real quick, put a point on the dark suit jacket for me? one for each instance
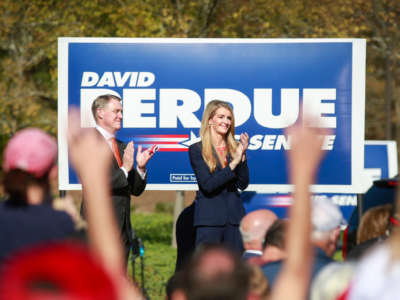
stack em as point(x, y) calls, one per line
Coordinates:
point(121, 190)
point(217, 201)
point(271, 270)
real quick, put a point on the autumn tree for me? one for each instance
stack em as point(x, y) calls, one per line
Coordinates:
point(30, 28)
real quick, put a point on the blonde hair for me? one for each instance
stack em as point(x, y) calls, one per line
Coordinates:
point(374, 223)
point(207, 146)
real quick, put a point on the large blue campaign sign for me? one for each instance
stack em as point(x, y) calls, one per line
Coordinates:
point(165, 85)
point(380, 162)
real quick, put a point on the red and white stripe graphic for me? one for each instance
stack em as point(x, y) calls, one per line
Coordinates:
point(165, 142)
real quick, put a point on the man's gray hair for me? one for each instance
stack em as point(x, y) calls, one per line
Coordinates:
point(326, 216)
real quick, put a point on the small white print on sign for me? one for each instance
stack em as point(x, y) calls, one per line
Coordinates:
point(182, 178)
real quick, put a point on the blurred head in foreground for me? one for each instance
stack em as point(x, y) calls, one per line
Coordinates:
point(332, 281)
point(29, 162)
point(214, 273)
point(55, 271)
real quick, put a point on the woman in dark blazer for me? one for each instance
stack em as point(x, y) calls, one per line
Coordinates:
point(219, 163)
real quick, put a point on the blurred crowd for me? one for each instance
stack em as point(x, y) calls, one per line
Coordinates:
point(47, 251)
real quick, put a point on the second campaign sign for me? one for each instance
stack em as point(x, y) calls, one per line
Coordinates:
point(165, 85)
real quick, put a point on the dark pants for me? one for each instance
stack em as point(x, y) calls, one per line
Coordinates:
point(228, 235)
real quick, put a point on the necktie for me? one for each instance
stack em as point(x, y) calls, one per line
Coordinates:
point(116, 151)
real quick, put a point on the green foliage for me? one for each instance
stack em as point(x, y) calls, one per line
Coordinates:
point(29, 30)
point(159, 265)
point(164, 207)
point(153, 228)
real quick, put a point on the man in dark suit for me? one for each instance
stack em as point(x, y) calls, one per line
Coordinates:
point(125, 179)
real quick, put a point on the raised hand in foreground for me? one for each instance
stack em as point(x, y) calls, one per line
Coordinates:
point(304, 157)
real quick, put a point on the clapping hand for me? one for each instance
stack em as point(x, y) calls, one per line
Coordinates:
point(239, 154)
point(142, 157)
point(127, 159)
point(244, 140)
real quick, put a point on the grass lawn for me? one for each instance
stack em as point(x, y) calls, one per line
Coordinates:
point(155, 230)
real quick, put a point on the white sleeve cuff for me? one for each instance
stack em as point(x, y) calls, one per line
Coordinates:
point(125, 172)
point(141, 173)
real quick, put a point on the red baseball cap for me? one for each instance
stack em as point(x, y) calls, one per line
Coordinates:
point(31, 150)
point(62, 270)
